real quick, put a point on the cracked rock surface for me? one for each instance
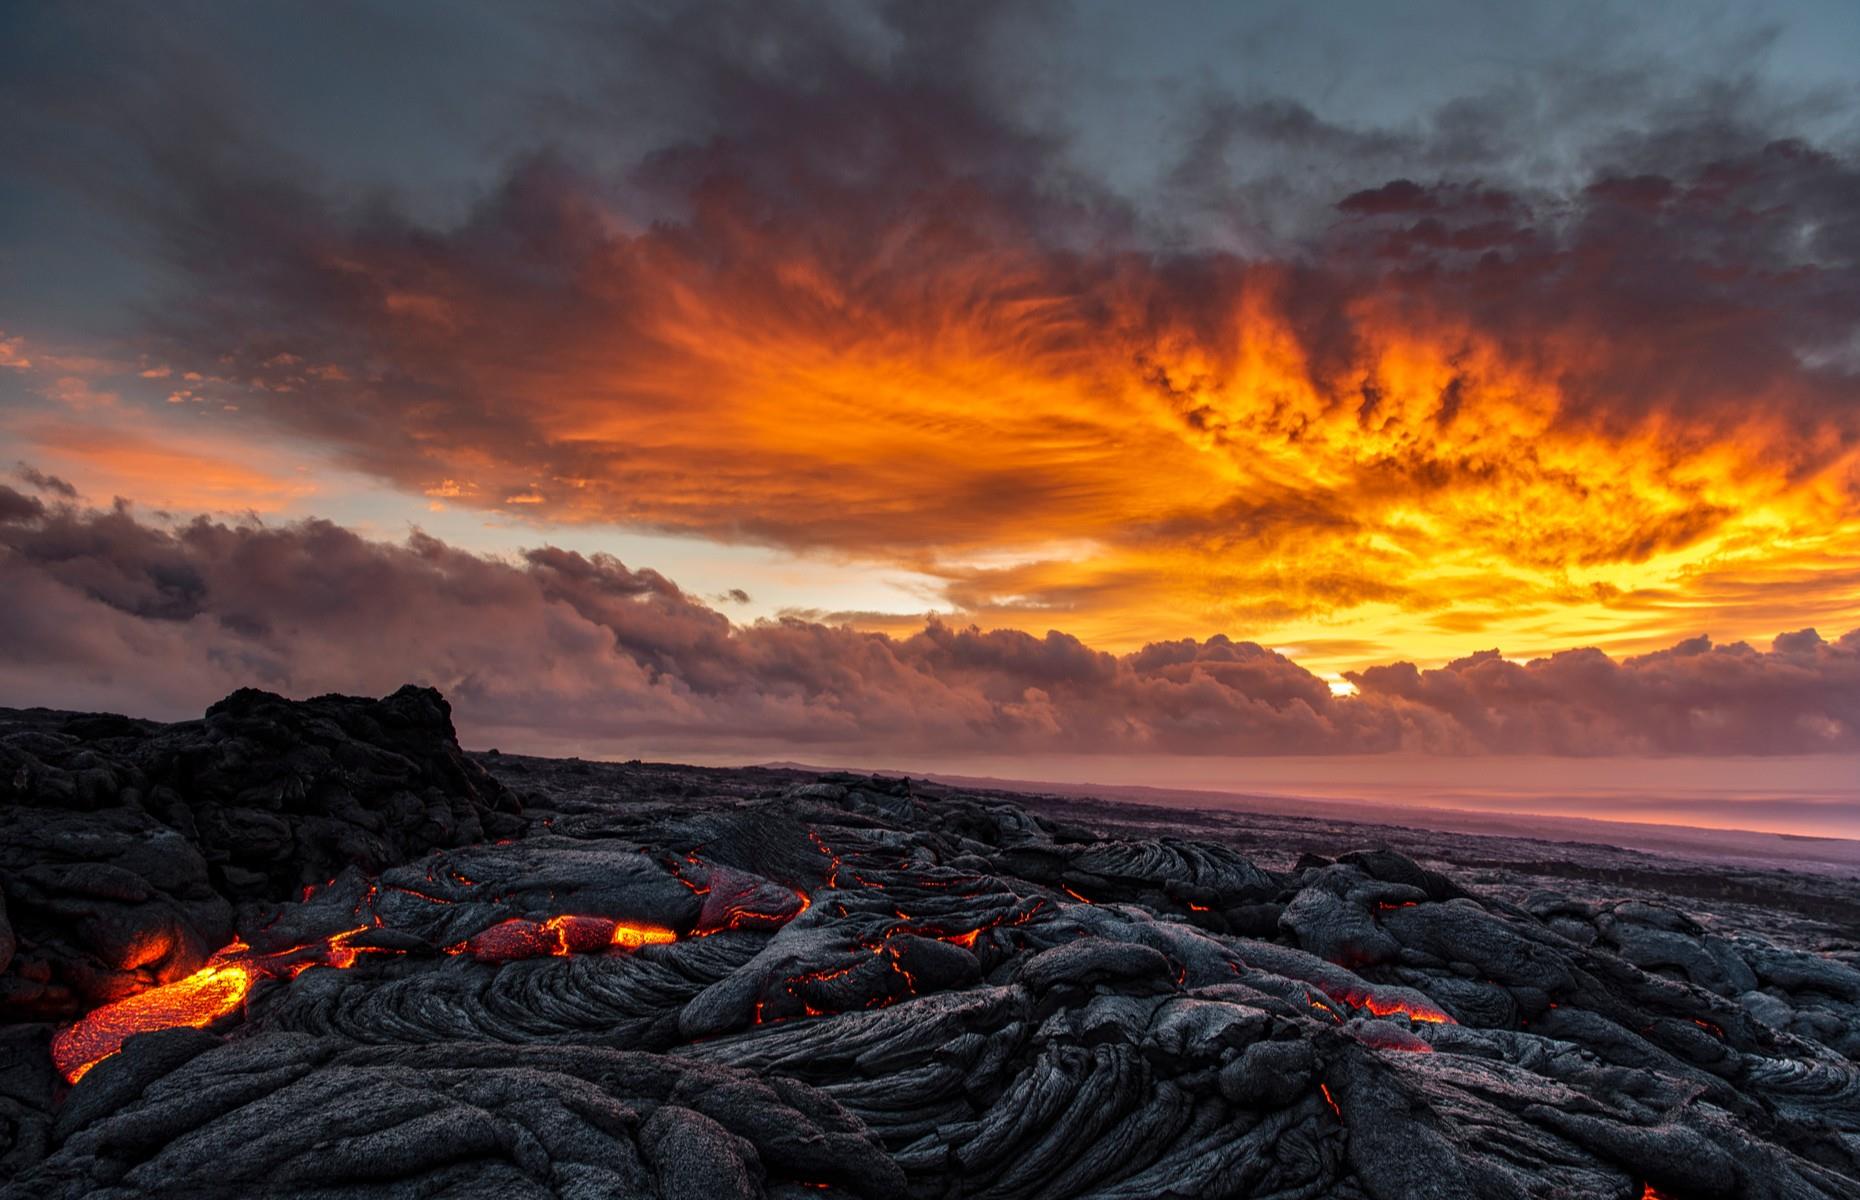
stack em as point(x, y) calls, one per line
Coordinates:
point(671, 982)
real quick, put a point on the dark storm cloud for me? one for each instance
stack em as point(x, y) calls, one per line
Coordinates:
point(50, 484)
point(16, 506)
point(1398, 196)
point(556, 645)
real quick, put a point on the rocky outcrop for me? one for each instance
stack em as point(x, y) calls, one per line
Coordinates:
point(126, 847)
point(860, 988)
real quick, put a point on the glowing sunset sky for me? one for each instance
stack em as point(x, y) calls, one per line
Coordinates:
point(725, 378)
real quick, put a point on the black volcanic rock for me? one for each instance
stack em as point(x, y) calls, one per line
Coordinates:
point(284, 793)
point(307, 1116)
point(872, 988)
point(126, 845)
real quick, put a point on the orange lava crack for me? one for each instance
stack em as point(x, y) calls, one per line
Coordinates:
point(560, 937)
point(1382, 1006)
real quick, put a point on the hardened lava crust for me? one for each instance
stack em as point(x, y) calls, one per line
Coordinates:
point(314, 950)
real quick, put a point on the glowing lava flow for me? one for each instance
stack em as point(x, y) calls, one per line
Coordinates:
point(212, 992)
point(198, 1000)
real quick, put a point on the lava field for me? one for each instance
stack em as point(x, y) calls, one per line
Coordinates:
point(313, 949)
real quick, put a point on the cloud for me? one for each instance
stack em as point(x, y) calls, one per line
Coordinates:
point(46, 483)
point(1396, 196)
point(73, 415)
point(179, 469)
point(556, 648)
point(849, 294)
point(13, 352)
point(17, 506)
point(1801, 696)
point(912, 336)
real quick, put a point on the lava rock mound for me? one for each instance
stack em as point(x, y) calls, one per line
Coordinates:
point(127, 848)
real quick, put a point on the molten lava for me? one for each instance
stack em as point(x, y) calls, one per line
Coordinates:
point(220, 987)
point(732, 900)
point(202, 998)
point(198, 1000)
point(629, 936)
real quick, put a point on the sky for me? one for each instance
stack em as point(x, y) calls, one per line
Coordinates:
point(945, 382)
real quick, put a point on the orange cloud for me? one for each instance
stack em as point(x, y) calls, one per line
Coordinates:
point(13, 352)
point(166, 471)
point(104, 445)
point(1450, 421)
